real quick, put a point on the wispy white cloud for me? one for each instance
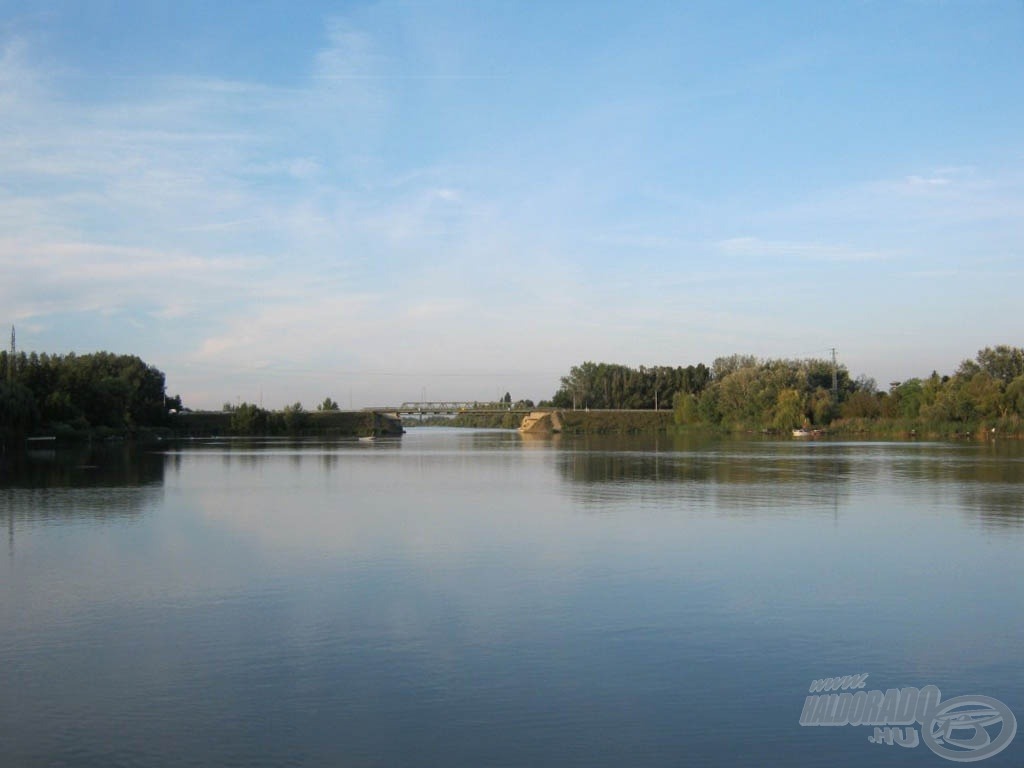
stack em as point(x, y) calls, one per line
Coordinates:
point(137, 200)
point(932, 181)
point(19, 82)
point(776, 250)
point(47, 277)
point(349, 54)
point(945, 217)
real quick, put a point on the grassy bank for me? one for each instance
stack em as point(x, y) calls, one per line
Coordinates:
point(623, 422)
point(902, 429)
point(616, 422)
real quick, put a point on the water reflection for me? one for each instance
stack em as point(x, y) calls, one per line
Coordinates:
point(92, 483)
point(986, 479)
point(994, 506)
point(252, 452)
point(95, 465)
point(744, 477)
point(735, 477)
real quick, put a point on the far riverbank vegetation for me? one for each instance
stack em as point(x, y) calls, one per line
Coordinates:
point(109, 395)
point(92, 395)
point(741, 393)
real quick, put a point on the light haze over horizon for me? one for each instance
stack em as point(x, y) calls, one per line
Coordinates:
point(390, 201)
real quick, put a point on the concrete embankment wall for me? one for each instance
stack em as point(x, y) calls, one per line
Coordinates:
point(311, 424)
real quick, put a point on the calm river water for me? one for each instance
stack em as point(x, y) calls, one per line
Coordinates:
point(475, 598)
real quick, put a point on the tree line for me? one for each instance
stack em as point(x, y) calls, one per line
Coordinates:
point(742, 392)
point(251, 419)
point(64, 394)
point(605, 385)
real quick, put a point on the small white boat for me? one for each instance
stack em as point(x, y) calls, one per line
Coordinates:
point(801, 432)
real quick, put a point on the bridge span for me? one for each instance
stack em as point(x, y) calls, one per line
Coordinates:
point(450, 408)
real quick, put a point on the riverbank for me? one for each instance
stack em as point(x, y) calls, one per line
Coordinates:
point(615, 422)
point(295, 423)
point(903, 429)
point(612, 422)
point(634, 422)
point(197, 424)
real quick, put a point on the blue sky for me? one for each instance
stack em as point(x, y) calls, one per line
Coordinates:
point(385, 201)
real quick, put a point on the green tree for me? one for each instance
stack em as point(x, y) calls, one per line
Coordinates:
point(741, 398)
point(823, 408)
point(931, 388)
point(790, 409)
point(604, 385)
point(295, 419)
point(249, 419)
point(723, 366)
point(861, 404)
point(686, 408)
point(96, 389)
point(985, 394)
point(742, 392)
point(910, 397)
point(707, 406)
point(1002, 362)
point(328, 405)
point(1013, 398)
point(18, 411)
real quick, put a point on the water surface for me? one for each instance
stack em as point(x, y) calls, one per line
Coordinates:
point(476, 598)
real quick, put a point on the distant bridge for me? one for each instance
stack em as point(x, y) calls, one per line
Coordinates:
point(450, 408)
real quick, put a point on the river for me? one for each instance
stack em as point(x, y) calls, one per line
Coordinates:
point(479, 598)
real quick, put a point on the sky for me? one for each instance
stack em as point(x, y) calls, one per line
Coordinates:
point(382, 202)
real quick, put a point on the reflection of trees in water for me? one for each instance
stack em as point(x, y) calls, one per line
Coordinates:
point(96, 482)
point(253, 452)
point(730, 476)
point(974, 463)
point(996, 506)
point(986, 479)
point(99, 465)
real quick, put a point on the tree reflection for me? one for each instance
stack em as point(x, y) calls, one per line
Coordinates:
point(100, 482)
point(734, 477)
point(746, 477)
